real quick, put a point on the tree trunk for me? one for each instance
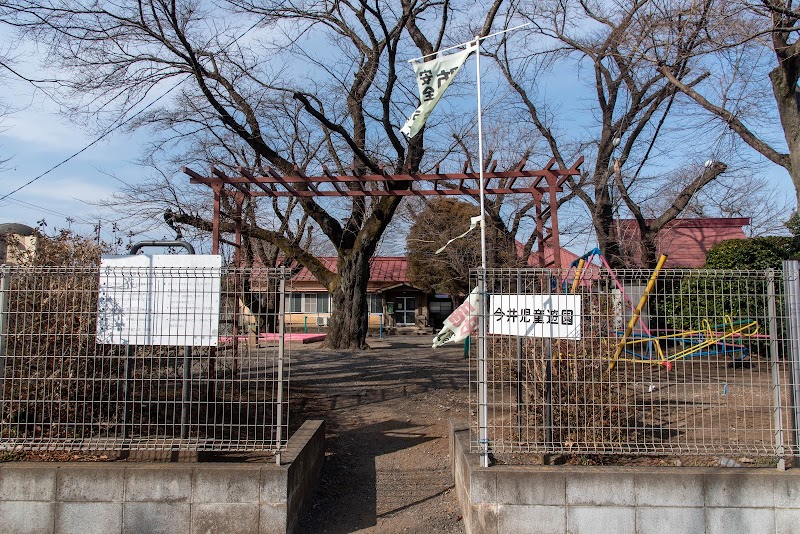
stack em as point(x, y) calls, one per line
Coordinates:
point(350, 314)
point(784, 87)
point(605, 230)
point(610, 248)
point(649, 248)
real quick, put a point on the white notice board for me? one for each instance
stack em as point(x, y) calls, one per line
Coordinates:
point(159, 300)
point(554, 316)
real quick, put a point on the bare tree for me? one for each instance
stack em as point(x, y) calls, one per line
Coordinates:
point(742, 193)
point(336, 61)
point(634, 117)
point(6, 71)
point(736, 94)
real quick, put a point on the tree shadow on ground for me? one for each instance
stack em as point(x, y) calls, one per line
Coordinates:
point(346, 500)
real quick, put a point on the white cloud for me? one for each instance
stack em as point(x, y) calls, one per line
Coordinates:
point(43, 133)
point(69, 188)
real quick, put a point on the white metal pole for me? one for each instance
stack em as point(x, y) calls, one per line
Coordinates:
point(791, 268)
point(483, 406)
point(483, 399)
point(5, 289)
point(480, 154)
point(281, 357)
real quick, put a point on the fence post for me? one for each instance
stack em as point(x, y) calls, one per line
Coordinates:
point(5, 287)
point(483, 394)
point(519, 368)
point(791, 280)
point(126, 390)
point(185, 392)
point(281, 339)
point(548, 396)
point(777, 413)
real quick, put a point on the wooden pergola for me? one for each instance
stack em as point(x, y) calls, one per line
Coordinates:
point(544, 184)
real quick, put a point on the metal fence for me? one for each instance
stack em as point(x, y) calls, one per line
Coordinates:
point(570, 368)
point(140, 359)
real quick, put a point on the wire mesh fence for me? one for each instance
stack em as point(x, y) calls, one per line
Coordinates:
point(570, 367)
point(147, 358)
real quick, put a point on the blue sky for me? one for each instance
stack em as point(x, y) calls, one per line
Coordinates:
point(36, 137)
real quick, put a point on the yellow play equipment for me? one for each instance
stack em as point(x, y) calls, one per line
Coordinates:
point(707, 341)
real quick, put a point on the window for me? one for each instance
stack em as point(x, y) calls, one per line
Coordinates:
point(308, 303)
point(323, 303)
point(295, 303)
point(375, 303)
point(440, 307)
point(405, 309)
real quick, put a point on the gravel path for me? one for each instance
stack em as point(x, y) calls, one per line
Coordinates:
point(387, 413)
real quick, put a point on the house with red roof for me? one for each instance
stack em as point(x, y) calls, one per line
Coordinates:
point(567, 257)
point(393, 301)
point(684, 241)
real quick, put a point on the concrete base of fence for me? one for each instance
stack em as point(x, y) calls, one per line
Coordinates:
point(39, 497)
point(640, 500)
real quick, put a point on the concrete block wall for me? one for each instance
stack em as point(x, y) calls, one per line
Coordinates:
point(579, 500)
point(88, 498)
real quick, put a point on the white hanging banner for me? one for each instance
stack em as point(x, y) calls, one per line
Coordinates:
point(462, 322)
point(474, 223)
point(553, 316)
point(433, 78)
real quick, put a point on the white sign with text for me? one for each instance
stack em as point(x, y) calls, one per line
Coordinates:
point(159, 300)
point(551, 316)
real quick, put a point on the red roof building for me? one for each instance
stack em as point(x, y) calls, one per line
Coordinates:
point(384, 272)
point(567, 257)
point(393, 300)
point(684, 241)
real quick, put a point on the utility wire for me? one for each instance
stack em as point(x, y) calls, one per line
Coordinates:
point(97, 140)
point(48, 210)
point(118, 125)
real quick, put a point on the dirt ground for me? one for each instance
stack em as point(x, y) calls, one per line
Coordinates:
point(387, 414)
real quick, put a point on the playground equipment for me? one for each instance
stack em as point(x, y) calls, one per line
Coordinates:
point(637, 313)
point(665, 346)
point(580, 270)
point(711, 340)
point(579, 266)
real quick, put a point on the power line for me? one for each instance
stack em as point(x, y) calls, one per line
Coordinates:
point(48, 210)
point(90, 145)
point(75, 218)
point(117, 126)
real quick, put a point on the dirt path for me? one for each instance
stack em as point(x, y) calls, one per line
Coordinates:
point(387, 410)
